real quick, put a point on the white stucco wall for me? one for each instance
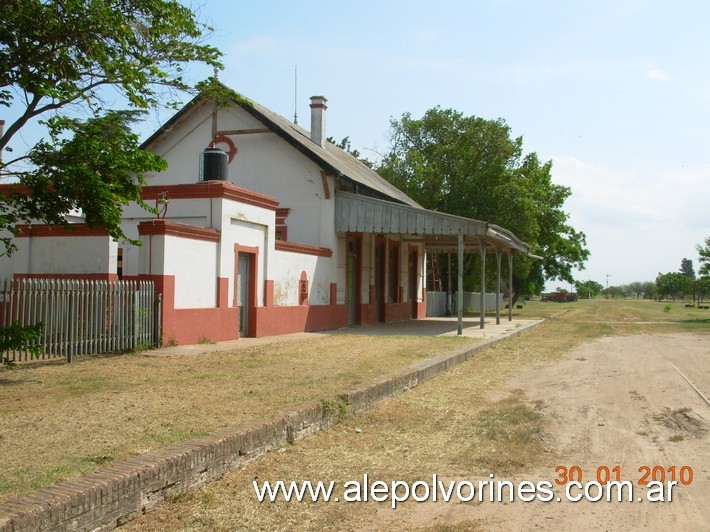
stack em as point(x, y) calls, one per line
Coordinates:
point(265, 163)
point(192, 262)
point(6, 262)
point(287, 268)
point(65, 255)
point(250, 226)
point(194, 211)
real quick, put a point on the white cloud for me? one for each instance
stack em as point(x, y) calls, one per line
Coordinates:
point(658, 74)
point(638, 221)
point(608, 197)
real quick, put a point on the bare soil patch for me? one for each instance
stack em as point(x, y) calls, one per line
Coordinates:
point(623, 405)
point(567, 393)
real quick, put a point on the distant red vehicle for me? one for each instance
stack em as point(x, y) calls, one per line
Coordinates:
point(563, 296)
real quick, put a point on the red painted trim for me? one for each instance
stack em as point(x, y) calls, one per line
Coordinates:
point(14, 189)
point(303, 249)
point(170, 228)
point(269, 293)
point(222, 292)
point(42, 230)
point(210, 189)
point(333, 293)
point(226, 140)
point(253, 274)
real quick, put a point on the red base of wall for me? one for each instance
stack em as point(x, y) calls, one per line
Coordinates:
point(396, 312)
point(190, 326)
point(284, 320)
point(368, 314)
point(393, 312)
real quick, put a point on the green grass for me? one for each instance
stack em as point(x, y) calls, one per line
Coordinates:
point(629, 311)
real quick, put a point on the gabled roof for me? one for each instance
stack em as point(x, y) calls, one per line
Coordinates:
point(332, 159)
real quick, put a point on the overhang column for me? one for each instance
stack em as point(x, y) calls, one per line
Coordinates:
point(483, 283)
point(510, 285)
point(459, 294)
point(499, 256)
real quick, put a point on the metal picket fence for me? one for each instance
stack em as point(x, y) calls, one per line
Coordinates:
point(82, 317)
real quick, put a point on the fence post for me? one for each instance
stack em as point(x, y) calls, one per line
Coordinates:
point(158, 340)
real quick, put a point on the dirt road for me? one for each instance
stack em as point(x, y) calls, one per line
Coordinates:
point(613, 401)
point(617, 401)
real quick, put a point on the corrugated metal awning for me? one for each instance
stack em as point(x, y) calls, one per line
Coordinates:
point(362, 214)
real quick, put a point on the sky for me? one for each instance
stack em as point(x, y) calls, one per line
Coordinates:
point(615, 93)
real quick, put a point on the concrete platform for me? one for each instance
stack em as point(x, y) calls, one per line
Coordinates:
point(424, 327)
point(119, 492)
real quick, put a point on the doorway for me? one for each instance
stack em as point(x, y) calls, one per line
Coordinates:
point(413, 278)
point(380, 281)
point(352, 280)
point(242, 297)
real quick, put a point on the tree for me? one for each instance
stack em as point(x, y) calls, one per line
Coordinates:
point(704, 259)
point(650, 290)
point(65, 64)
point(613, 291)
point(347, 146)
point(703, 288)
point(70, 66)
point(472, 167)
point(588, 289)
point(636, 289)
point(686, 268)
point(673, 284)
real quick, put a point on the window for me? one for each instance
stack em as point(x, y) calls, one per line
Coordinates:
point(119, 264)
point(281, 228)
point(303, 289)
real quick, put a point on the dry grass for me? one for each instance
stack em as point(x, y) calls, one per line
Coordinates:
point(619, 310)
point(451, 426)
point(447, 426)
point(61, 421)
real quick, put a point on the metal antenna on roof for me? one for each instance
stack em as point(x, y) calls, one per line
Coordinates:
point(214, 109)
point(295, 94)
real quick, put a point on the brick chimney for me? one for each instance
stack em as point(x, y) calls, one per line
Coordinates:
point(318, 108)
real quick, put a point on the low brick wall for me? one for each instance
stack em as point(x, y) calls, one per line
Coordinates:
point(118, 493)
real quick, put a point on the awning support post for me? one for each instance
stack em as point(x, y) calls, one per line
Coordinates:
point(510, 285)
point(459, 294)
point(448, 286)
point(499, 256)
point(483, 284)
